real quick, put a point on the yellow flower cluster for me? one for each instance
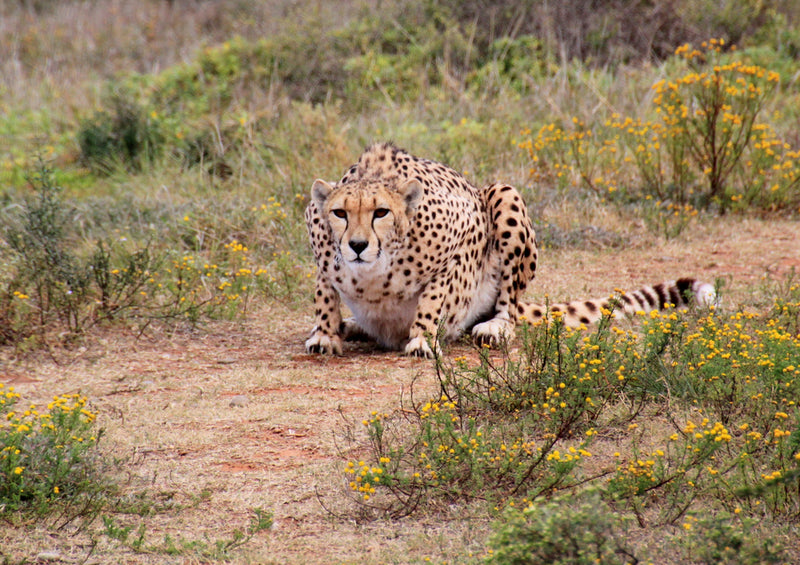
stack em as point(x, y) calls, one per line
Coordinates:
point(32, 420)
point(638, 469)
point(571, 454)
point(717, 431)
point(273, 210)
point(9, 396)
point(731, 342)
point(365, 477)
point(435, 407)
point(375, 418)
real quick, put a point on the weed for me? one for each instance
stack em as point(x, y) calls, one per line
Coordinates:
point(260, 520)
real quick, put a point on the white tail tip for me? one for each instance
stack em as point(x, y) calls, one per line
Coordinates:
point(705, 295)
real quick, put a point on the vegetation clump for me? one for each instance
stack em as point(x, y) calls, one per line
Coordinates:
point(705, 145)
point(53, 282)
point(703, 408)
point(48, 454)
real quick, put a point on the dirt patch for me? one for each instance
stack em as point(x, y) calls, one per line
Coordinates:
point(13, 379)
point(165, 402)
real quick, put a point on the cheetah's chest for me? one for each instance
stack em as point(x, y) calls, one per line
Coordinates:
point(383, 301)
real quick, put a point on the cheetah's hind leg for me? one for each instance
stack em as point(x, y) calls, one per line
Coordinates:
point(493, 333)
point(512, 255)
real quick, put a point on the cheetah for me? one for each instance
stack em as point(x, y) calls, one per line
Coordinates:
point(421, 256)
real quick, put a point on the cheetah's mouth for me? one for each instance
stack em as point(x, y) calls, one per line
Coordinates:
point(360, 261)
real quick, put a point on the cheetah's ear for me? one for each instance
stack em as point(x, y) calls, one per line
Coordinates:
point(411, 191)
point(320, 192)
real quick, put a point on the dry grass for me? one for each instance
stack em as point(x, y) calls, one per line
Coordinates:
point(165, 403)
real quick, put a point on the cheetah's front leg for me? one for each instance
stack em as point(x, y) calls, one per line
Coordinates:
point(427, 317)
point(325, 336)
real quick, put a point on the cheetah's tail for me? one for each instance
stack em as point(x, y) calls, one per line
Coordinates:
point(679, 293)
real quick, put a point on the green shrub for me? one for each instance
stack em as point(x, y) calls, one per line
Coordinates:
point(583, 529)
point(727, 540)
point(519, 62)
point(566, 531)
point(122, 136)
point(400, 59)
point(510, 428)
point(303, 62)
point(50, 281)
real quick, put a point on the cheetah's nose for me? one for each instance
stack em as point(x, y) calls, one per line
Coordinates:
point(358, 245)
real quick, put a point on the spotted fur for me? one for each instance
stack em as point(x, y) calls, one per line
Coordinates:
point(410, 246)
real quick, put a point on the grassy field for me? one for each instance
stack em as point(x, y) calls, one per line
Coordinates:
point(155, 284)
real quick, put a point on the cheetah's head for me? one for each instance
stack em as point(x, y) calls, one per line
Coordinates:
point(366, 216)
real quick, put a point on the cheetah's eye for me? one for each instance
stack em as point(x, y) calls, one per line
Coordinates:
point(381, 212)
point(339, 213)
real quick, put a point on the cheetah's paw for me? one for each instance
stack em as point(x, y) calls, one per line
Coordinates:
point(323, 343)
point(418, 347)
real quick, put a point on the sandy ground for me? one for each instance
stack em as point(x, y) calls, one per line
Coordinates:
point(238, 416)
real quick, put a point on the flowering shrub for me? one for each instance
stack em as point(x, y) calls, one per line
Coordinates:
point(457, 456)
point(508, 430)
point(704, 145)
point(51, 283)
point(46, 453)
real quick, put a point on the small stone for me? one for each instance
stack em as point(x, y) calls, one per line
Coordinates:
point(48, 556)
point(226, 361)
point(239, 401)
